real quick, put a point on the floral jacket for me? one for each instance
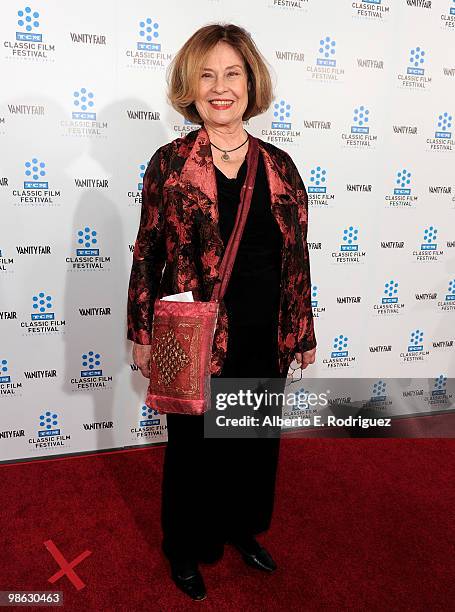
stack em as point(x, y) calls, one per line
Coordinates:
point(179, 247)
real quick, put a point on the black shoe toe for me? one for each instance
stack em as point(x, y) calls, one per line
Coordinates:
point(188, 579)
point(254, 554)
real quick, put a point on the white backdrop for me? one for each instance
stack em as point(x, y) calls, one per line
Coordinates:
point(365, 99)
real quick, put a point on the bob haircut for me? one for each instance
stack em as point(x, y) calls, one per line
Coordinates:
point(184, 71)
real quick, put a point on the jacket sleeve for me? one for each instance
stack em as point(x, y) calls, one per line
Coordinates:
point(148, 256)
point(308, 340)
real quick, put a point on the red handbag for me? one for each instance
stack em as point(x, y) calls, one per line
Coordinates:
point(183, 332)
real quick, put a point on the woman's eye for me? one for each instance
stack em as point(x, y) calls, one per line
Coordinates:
point(233, 73)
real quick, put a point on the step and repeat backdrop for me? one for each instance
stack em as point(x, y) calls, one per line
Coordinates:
point(365, 104)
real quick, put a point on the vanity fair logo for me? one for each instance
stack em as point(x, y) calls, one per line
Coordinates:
point(49, 434)
point(27, 110)
point(349, 251)
point(439, 191)
point(135, 195)
point(389, 303)
point(414, 76)
point(36, 190)
point(360, 134)
point(88, 256)
point(88, 39)
point(91, 374)
point(373, 10)
point(147, 52)
point(339, 355)
point(42, 319)
point(84, 122)
point(10, 386)
point(281, 126)
point(319, 195)
point(325, 68)
point(150, 425)
point(29, 42)
point(401, 196)
point(441, 139)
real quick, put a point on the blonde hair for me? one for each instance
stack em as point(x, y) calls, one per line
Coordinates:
point(184, 71)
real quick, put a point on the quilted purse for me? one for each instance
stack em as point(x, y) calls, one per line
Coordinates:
point(183, 332)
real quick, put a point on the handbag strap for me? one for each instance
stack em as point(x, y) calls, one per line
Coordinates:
point(232, 246)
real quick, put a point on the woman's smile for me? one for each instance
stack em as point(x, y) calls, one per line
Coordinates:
point(221, 103)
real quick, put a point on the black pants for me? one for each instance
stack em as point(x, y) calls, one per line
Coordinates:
point(213, 488)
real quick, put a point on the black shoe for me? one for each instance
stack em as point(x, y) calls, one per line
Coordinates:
point(188, 579)
point(254, 554)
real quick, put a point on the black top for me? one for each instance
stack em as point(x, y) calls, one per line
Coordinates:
point(253, 293)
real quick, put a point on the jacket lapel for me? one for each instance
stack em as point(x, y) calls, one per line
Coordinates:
point(198, 180)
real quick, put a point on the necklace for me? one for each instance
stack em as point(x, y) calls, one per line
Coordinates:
point(225, 156)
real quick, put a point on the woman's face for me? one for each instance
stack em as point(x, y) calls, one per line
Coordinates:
point(223, 87)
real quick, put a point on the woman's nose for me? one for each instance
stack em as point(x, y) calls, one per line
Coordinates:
point(219, 86)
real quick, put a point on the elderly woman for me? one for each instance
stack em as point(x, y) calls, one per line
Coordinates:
point(217, 491)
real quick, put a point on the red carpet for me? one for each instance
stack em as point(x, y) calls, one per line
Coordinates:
point(359, 525)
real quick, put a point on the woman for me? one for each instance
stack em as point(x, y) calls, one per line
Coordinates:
point(222, 490)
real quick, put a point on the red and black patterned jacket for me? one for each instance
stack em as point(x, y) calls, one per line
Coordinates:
point(179, 232)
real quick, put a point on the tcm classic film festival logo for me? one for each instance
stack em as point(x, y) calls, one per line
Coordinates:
point(325, 68)
point(316, 304)
point(402, 195)
point(415, 75)
point(441, 139)
point(49, 433)
point(448, 16)
point(134, 196)
point(36, 189)
point(340, 357)
point(88, 255)
point(428, 251)
point(415, 347)
point(349, 251)
point(448, 303)
point(83, 121)
point(29, 43)
point(6, 264)
point(91, 376)
point(149, 426)
point(360, 134)
point(10, 386)
point(439, 396)
point(281, 130)
point(318, 188)
point(371, 10)
point(298, 6)
point(42, 318)
point(389, 302)
point(147, 52)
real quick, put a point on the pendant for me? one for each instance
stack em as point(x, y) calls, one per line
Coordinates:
point(225, 156)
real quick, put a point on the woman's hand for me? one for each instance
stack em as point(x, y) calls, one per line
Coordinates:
point(304, 359)
point(141, 357)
